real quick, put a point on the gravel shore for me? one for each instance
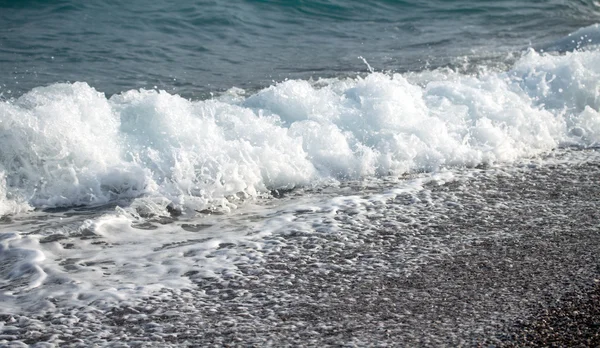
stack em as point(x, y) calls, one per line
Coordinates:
point(574, 321)
point(512, 261)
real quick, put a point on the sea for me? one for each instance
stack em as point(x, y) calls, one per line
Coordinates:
point(168, 158)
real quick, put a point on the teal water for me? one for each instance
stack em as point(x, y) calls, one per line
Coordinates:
point(194, 48)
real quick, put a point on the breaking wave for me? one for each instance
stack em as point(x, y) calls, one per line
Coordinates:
point(67, 144)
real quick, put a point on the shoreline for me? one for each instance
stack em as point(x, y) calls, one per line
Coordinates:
point(513, 244)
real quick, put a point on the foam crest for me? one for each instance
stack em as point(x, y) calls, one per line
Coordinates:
point(67, 144)
point(567, 86)
point(61, 146)
point(200, 152)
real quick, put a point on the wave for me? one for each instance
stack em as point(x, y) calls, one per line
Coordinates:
point(587, 38)
point(67, 144)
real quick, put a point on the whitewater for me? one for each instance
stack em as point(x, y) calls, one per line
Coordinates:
point(68, 145)
point(145, 195)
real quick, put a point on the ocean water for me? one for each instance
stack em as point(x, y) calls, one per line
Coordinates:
point(147, 147)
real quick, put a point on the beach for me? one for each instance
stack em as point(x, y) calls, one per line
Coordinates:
point(299, 173)
point(503, 271)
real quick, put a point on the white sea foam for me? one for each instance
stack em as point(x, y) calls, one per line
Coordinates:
point(110, 258)
point(19, 262)
point(67, 144)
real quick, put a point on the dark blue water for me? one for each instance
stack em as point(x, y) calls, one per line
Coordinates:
point(194, 48)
